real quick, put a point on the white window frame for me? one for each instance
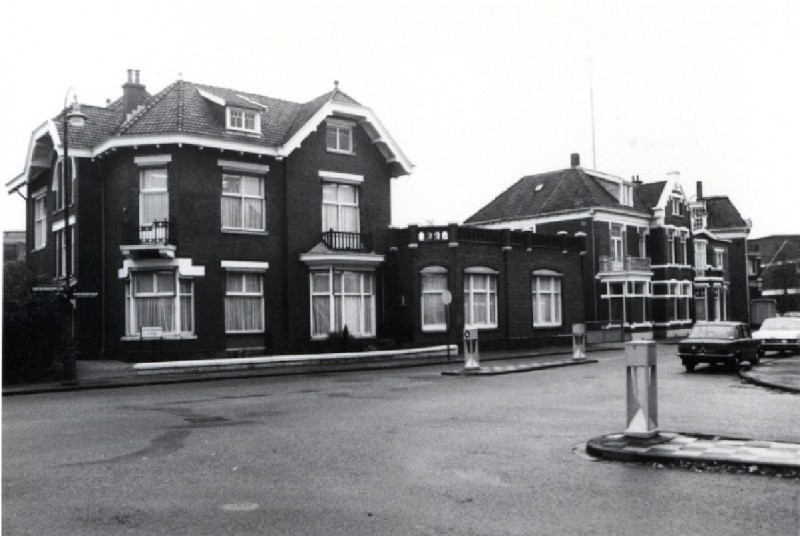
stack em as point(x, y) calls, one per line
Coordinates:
point(61, 249)
point(143, 193)
point(701, 254)
point(242, 196)
point(341, 130)
point(617, 241)
point(684, 237)
point(489, 275)
point(58, 180)
point(339, 204)
point(719, 258)
point(677, 205)
point(437, 293)
point(130, 304)
point(671, 246)
point(552, 298)
point(244, 293)
point(39, 219)
point(336, 316)
point(237, 119)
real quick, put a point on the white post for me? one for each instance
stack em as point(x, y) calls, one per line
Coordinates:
point(578, 341)
point(642, 400)
point(472, 356)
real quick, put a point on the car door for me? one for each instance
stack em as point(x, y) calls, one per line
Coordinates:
point(748, 342)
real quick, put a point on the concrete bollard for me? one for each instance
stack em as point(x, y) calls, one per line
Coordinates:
point(472, 356)
point(578, 341)
point(640, 357)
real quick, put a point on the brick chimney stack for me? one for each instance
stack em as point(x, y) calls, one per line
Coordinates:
point(133, 93)
point(699, 190)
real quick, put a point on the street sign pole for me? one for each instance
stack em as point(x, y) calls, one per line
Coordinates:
point(447, 299)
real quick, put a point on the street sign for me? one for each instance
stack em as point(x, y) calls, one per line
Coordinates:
point(48, 289)
point(84, 294)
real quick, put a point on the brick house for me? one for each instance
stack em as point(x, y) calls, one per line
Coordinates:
point(640, 268)
point(518, 288)
point(774, 270)
point(214, 222)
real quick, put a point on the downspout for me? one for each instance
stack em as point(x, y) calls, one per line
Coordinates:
point(104, 334)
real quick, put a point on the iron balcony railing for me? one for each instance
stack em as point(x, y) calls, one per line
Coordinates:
point(709, 271)
point(341, 241)
point(154, 233)
point(624, 264)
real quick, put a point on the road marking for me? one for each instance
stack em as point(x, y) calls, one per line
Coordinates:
point(240, 507)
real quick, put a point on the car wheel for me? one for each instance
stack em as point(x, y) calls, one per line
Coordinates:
point(756, 359)
point(761, 352)
point(735, 364)
point(689, 367)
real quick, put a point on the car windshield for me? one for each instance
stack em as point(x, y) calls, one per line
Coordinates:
point(781, 323)
point(712, 332)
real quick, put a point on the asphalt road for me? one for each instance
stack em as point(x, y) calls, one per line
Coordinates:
point(404, 451)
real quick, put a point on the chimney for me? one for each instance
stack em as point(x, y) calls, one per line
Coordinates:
point(699, 190)
point(133, 93)
point(575, 160)
point(635, 179)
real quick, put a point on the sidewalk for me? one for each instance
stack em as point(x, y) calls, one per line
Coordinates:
point(670, 447)
point(113, 374)
point(777, 372)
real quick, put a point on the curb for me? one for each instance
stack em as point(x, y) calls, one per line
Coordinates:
point(763, 383)
point(511, 369)
point(278, 370)
point(595, 448)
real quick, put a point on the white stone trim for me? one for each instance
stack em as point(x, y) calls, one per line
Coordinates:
point(153, 160)
point(59, 224)
point(546, 272)
point(339, 122)
point(249, 266)
point(341, 177)
point(246, 167)
point(184, 266)
point(326, 259)
point(480, 270)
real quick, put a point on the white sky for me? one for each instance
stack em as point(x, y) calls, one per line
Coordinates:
point(477, 94)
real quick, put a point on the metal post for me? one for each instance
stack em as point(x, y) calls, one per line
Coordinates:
point(70, 376)
point(578, 341)
point(642, 389)
point(472, 356)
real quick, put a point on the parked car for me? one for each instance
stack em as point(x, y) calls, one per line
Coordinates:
point(792, 314)
point(728, 343)
point(779, 333)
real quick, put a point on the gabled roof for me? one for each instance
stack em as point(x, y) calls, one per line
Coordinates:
point(650, 193)
point(187, 112)
point(722, 214)
point(552, 192)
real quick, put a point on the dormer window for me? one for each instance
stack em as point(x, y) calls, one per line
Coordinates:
point(677, 206)
point(339, 136)
point(626, 194)
point(244, 120)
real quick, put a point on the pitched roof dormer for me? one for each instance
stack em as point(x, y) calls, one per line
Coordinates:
point(241, 114)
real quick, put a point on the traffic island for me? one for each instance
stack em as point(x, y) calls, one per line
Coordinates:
point(511, 369)
point(700, 451)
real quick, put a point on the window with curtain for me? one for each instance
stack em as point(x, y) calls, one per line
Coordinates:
point(433, 281)
point(159, 299)
point(340, 210)
point(243, 206)
point(700, 254)
point(617, 247)
point(39, 221)
point(480, 299)
point(153, 195)
point(342, 298)
point(339, 137)
point(546, 293)
point(244, 302)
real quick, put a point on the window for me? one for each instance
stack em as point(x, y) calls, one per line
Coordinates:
point(719, 258)
point(58, 181)
point(670, 246)
point(700, 303)
point(433, 281)
point(61, 251)
point(626, 194)
point(617, 247)
point(340, 210)
point(677, 206)
point(700, 261)
point(339, 136)
point(244, 302)
point(480, 298)
point(245, 120)
point(642, 244)
point(159, 300)
point(684, 256)
point(243, 203)
point(341, 298)
point(546, 292)
point(153, 196)
point(39, 220)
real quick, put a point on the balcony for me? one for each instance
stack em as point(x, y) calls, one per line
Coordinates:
point(625, 264)
point(153, 242)
point(709, 271)
point(342, 241)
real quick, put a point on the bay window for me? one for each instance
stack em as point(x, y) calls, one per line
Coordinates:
point(480, 298)
point(342, 298)
point(159, 301)
point(433, 281)
point(546, 298)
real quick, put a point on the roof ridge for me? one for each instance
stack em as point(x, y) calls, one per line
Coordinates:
point(587, 177)
point(155, 99)
point(559, 181)
point(181, 94)
point(244, 92)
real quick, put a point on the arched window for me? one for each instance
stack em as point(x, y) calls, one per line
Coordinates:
point(480, 298)
point(433, 282)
